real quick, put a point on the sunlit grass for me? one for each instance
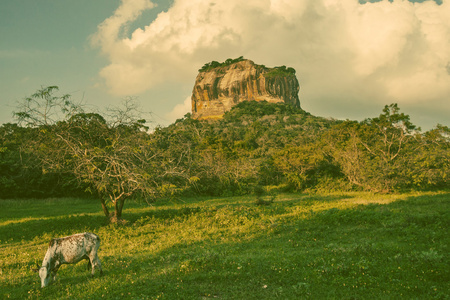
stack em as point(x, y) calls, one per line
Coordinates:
point(343, 245)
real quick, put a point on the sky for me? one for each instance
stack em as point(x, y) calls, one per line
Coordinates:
point(352, 57)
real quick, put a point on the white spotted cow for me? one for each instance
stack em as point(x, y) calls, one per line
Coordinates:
point(70, 250)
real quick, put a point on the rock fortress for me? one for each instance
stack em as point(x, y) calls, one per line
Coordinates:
point(220, 86)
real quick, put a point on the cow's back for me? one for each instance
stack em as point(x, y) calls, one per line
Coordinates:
point(72, 249)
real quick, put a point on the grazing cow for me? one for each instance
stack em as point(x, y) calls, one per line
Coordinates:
point(70, 250)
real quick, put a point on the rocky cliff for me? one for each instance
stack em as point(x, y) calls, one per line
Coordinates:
point(220, 86)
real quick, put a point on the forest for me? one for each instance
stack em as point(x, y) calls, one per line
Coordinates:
point(58, 148)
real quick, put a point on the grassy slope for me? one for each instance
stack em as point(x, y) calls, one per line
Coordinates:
point(340, 246)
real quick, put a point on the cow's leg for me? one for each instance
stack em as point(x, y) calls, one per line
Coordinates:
point(95, 262)
point(89, 264)
point(54, 270)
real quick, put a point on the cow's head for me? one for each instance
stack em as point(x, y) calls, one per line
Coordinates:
point(45, 276)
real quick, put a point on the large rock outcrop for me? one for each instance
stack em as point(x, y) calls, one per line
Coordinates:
point(218, 87)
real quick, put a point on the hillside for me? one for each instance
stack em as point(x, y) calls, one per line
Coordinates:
point(285, 148)
point(243, 149)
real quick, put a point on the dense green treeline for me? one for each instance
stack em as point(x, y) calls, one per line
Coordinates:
point(278, 147)
point(281, 147)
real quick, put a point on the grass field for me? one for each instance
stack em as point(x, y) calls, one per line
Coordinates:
point(335, 246)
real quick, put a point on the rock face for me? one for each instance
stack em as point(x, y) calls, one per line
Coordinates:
point(218, 89)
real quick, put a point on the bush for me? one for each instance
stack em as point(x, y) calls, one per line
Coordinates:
point(215, 64)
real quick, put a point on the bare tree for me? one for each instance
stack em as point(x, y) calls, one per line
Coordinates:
point(111, 157)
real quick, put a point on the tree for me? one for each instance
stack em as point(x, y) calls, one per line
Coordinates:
point(12, 161)
point(44, 108)
point(376, 153)
point(342, 143)
point(300, 164)
point(388, 134)
point(110, 157)
point(432, 159)
point(389, 140)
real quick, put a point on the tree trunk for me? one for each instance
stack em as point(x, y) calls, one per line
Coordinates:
point(117, 210)
point(104, 207)
point(118, 205)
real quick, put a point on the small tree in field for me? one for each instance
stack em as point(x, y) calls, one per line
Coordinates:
point(111, 157)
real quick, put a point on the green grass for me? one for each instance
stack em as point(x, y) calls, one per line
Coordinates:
point(335, 246)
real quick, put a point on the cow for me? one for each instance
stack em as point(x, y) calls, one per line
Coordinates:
point(69, 250)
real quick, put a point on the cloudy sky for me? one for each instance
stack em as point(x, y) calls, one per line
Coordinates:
point(351, 57)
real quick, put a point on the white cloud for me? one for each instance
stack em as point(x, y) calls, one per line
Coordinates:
point(379, 32)
point(180, 110)
point(376, 53)
point(109, 31)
